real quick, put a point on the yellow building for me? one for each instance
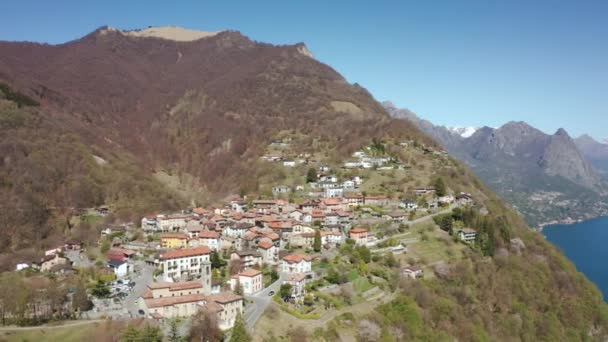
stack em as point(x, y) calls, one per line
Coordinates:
point(173, 240)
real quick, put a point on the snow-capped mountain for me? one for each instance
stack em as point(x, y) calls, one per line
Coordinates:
point(464, 132)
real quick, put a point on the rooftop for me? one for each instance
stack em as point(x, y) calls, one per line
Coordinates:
point(185, 252)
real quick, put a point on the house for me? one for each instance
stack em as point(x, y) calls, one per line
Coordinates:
point(413, 272)
point(467, 235)
point(238, 206)
point(397, 216)
point(171, 223)
point(173, 240)
point(120, 268)
point(121, 254)
point(305, 240)
point(248, 258)
point(296, 263)
point(425, 190)
point(354, 200)
point(231, 305)
point(448, 199)
point(185, 263)
point(22, 266)
point(360, 235)
point(348, 184)
point(236, 230)
point(50, 261)
point(409, 205)
point(298, 284)
point(334, 192)
point(264, 206)
point(251, 280)
point(268, 251)
point(150, 223)
point(209, 239)
point(331, 238)
point(281, 189)
point(298, 228)
point(378, 200)
point(331, 219)
point(464, 198)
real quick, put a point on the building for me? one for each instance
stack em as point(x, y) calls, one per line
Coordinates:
point(331, 238)
point(413, 272)
point(248, 258)
point(173, 240)
point(120, 268)
point(305, 240)
point(50, 261)
point(185, 263)
point(268, 251)
point(251, 281)
point(467, 234)
point(170, 300)
point(280, 189)
point(209, 239)
point(298, 284)
point(296, 263)
point(360, 235)
point(171, 223)
point(334, 192)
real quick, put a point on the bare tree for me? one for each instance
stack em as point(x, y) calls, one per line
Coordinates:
point(205, 327)
point(368, 331)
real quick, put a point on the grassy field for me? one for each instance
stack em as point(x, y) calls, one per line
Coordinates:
point(72, 331)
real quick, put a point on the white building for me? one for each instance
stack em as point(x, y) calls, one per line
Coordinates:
point(296, 263)
point(120, 268)
point(185, 263)
point(268, 251)
point(334, 192)
point(251, 280)
point(210, 239)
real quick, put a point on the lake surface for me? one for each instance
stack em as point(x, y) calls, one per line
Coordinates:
point(585, 244)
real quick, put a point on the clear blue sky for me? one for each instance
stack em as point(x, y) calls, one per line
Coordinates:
point(477, 62)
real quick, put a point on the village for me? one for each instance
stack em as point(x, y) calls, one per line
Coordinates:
point(324, 248)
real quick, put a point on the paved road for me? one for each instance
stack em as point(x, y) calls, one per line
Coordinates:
point(143, 277)
point(261, 300)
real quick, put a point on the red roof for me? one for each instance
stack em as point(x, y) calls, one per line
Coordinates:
point(250, 273)
point(331, 201)
point(174, 236)
point(205, 234)
point(358, 230)
point(295, 258)
point(265, 244)
point(185, 252)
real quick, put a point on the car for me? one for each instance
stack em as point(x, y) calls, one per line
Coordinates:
point(271, 293)
point(141, 312)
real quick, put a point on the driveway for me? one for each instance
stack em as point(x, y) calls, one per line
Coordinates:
point(260, 301)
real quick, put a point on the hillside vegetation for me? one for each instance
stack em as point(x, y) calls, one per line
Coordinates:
point(114, 110)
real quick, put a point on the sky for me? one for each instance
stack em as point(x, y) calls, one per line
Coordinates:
point(456, 63)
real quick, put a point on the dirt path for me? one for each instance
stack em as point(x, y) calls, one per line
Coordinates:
point(42, 327)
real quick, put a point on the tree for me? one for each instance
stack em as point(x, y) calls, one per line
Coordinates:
point(285, 291)
point(151, 334)
point(239, 331)
point(317, 243)
point(274, 275)
point(80, 300)
point(238, 288)
point(205, 327)
point(440, 188)
point(311, 175)
point(446, 223)
point(130, 334)
point(100, 290)
point(216, 261)
point(173, 335)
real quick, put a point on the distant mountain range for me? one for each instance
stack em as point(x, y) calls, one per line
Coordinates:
point(546, 177)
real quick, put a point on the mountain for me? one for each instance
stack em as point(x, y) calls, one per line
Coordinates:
point(179, 117)
point(165, 118)
point(595, 152)
point(546, 177)
point(464, 132)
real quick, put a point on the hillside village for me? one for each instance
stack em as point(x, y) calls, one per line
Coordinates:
point(322, 244)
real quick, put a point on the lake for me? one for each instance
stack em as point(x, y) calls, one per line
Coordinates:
point(585, 245)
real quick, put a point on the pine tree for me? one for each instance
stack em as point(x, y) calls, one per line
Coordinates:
point(173, 335)
point(440, 188)
point(238, 288)
point(317, 242)
point(239, 331)
point(311, 176)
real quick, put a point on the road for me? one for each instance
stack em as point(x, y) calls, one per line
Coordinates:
point(261, 300)
point(143, 277)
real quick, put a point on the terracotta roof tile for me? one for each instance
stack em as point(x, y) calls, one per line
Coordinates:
point(295, 258)
point(185, 252)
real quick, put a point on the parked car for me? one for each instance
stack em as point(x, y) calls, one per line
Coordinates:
point(271, 293)
point(141, 312)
